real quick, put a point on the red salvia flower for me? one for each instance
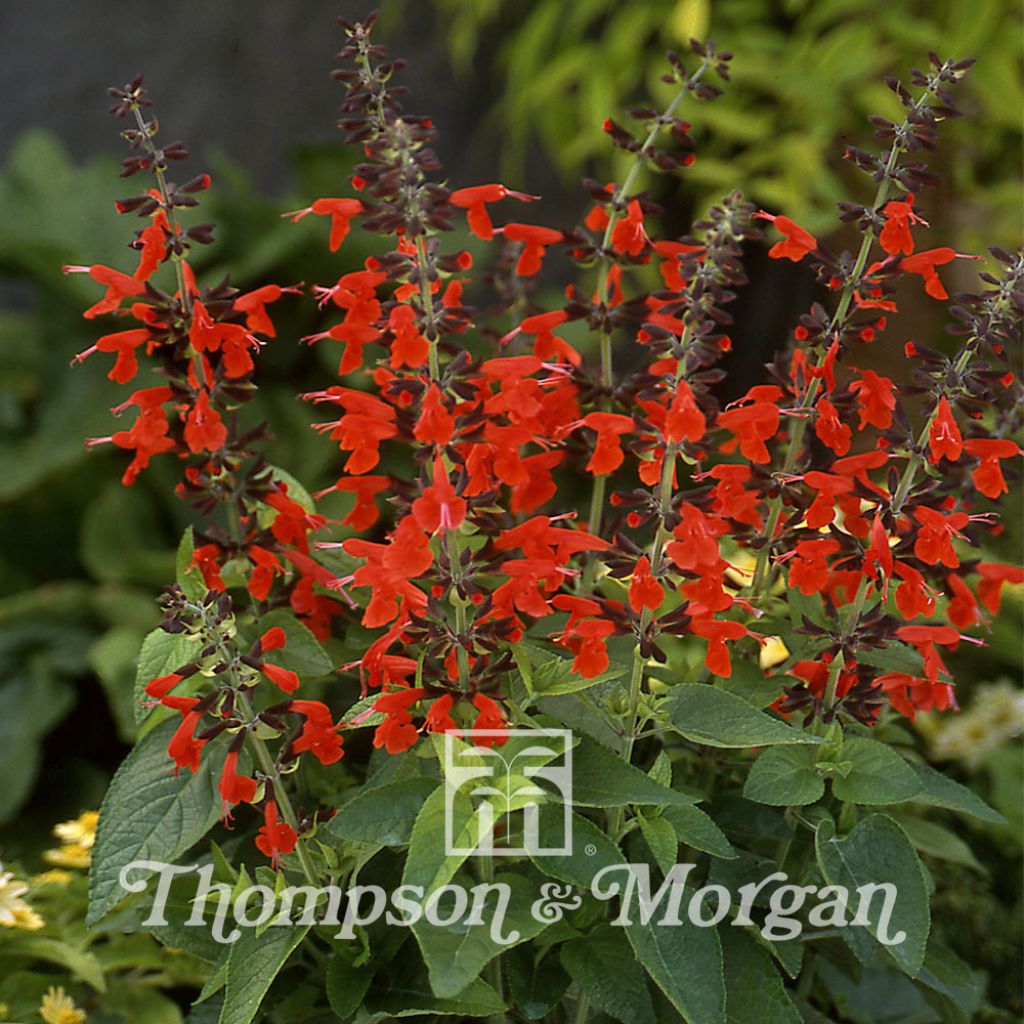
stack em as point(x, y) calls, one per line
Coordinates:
point(235, 788)
point(474, 201)
point(944, 439)
point(204, 430)
point(341, 212)
point(276, 839)
point(797, 243)
point(119, 287)
point(876, 399)
point(988, 476)
point(535, 240)
point(895, 236)
point(644, 590)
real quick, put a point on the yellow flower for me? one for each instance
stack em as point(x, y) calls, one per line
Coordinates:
point(58, 1007)
point(77, 838)
point(14, 911)
point(53, 877)
point(773, 652)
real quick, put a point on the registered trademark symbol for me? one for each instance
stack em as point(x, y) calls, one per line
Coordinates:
point(590, 849)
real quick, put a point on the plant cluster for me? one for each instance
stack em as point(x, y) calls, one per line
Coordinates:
point(754, 596)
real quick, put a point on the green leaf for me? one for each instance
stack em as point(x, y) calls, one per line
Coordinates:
point(347, 985)
point(603, 965)
point(696, 828)
point(601, 778)
point(456, 954)
point(253, 964)
point(408, 995)
point(685, 962)
point(148, 814)
point(877, 851)
point(784, 777)
point(940, 842)
point(555, 677)
point(661, 840)
point(383, 815)
point(81, 963)
point(135, 1003)
point(591, 848)
point(941, 791)
point(189, 578)
point(754, 990)
point(717, 718)
point(878, 775)
point(535, 988)
point(160, 655)
point(944, 972)
point(428, 865)
point(302, 653)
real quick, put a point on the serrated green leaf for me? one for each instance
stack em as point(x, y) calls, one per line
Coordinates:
point(603, 965)
point(590, 850)
point(457, 953)
point(717, 718)
point(877, 851)
point(347, 985)
point(784, 777)
point(940, 790)
point(661, 840)
point(161, 654)
point(601, 778)
point(384, 815)
point(685, 962)
point(408, 995)
point(754, 990)
point(877, 776)
point(148, 814)
point(253, 964)
point(696, 828)
point(188, 576)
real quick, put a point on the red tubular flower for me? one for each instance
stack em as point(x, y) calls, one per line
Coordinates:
point(924, 638)
point(610, 426)
point(913, 596)
point(341, 211)
point(254, 305)
point(828, 486)
point(628, 235)
point(716, 632)
point(695, 548)
point(797, 243)
point(159, 688)
point(436, 424)
point(319, 734)
point(123, 344)
point(184, 749)
point(993, 576)
point(207, 558)
point(808, 571)
point(934, 540)
point(908, 694)
point(535, 240)
point(944, 439)
point(235, 788)
point(830, 429)
point(924, 264)
point(754, 423)
point(962, 610)
point(204, 430)
point(273, 640)
point(684, 419)
point(267, 566)
point(876, 399)
point(474, 201)
point(439, 717)
point(438, 507)
point(281, 677)
point(988, 476)
point(644, 590)
point(397, 732)
point(275, 839)
point(895, 236)
point(119, 287)
point(490, 717)
point(364, 512)
point(408, 347)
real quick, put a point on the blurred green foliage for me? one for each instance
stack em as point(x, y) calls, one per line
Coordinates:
point(805, 76)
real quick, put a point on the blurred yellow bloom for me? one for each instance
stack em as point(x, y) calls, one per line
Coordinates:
point(773, 652)
point(77, 838)
point(994, 717)
point(52, 877)
point(58, 1007)
point(14, 911)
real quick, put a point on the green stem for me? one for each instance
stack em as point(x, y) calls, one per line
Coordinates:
point(605, 340)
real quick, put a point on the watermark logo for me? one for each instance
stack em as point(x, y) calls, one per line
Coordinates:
point(493, 797)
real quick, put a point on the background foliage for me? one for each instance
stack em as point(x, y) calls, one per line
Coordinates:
point(82, 559)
